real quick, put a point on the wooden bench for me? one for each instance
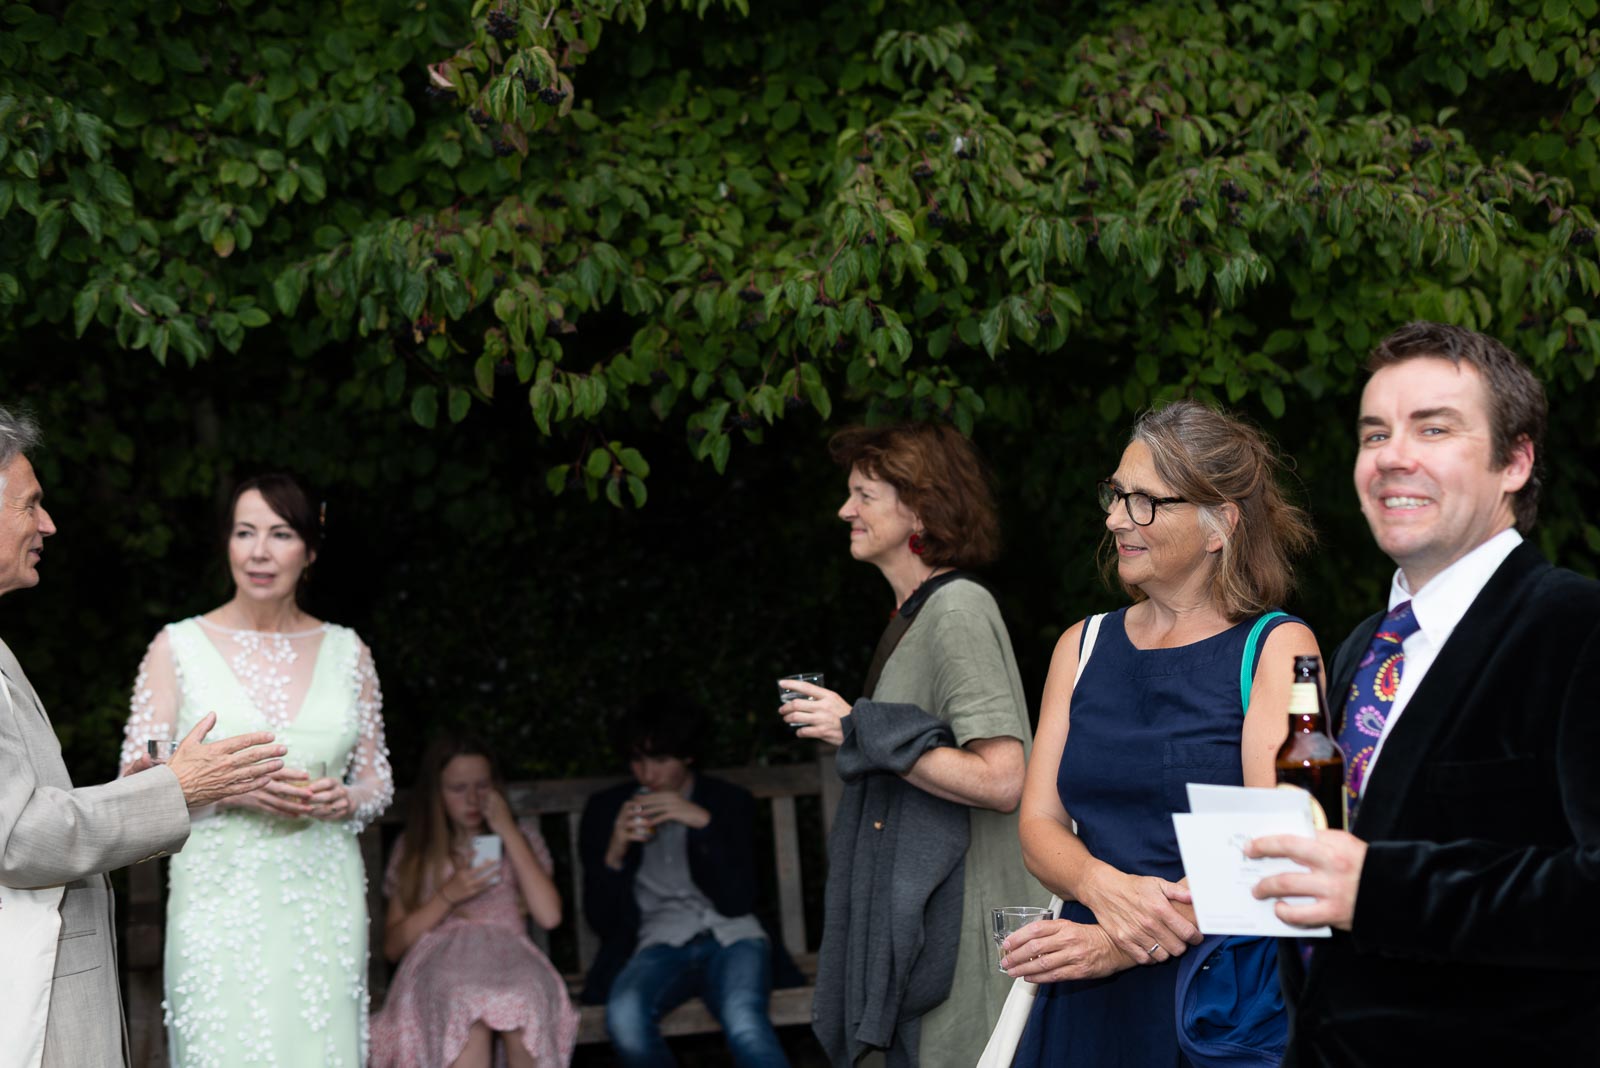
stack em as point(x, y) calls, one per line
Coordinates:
point(557, 805)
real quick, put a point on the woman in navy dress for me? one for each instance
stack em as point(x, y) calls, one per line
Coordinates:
point(1202, 537)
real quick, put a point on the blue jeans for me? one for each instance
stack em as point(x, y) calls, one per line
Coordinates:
point(734, 980)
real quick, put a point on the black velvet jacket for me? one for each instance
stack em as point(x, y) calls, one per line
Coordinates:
point(722, 864)
point(1475, 938)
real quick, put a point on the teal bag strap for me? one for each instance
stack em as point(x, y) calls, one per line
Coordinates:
point(1247, 665)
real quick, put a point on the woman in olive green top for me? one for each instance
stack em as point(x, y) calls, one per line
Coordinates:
point(919, 507)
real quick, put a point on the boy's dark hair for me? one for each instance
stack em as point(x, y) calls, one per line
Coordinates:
point(661, 724)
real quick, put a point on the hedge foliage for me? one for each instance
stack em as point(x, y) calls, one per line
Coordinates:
point(654, 221)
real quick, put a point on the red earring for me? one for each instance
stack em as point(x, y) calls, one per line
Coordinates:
point(916, 543)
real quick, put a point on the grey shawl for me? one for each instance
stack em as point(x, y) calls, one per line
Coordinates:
point(892, 905)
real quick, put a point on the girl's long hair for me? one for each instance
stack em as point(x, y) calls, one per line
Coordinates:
point(427, 833)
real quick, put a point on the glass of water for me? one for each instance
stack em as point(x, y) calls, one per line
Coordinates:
point(160, 750)
point(785, 695)
point(1008, 921)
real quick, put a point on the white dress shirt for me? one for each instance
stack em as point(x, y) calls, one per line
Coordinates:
point(1438, 607)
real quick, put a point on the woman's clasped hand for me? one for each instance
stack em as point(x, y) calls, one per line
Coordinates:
point(291, 793)
point(1054, 951)
point(1138, 915)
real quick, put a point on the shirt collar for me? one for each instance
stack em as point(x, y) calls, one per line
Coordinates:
point(1448, 595)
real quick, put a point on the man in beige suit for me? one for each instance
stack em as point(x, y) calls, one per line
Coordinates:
point(55, 836)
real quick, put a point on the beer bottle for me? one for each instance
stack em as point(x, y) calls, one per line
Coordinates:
point(1309, 758)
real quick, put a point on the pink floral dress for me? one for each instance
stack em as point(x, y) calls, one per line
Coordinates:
point(478, 964)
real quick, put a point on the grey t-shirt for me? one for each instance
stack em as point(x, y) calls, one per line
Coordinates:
point(672, 910)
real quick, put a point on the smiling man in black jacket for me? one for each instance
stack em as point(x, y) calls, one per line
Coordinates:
point(1461, 899)
point(669, 886)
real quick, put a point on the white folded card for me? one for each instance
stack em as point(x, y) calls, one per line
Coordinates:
point(1211, 839)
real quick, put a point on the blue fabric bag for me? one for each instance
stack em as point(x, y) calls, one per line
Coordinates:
point(1230, 1005)
point(1228, 1001)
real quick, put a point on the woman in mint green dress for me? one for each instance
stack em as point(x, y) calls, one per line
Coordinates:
point(266, 953)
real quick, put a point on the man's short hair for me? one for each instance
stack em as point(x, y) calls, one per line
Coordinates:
point(19, 436)
point(663, 724)
point(1517, 405)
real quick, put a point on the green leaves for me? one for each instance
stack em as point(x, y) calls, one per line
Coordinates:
point(425, 406)
point(887, 214)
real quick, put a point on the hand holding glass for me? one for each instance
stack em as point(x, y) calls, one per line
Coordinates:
point(1008, 921)
point(785, 695)
point(314, 769)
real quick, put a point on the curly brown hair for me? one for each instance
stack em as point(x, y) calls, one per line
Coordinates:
point(938, 475)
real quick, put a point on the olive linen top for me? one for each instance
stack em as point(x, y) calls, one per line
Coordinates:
point(956, 663)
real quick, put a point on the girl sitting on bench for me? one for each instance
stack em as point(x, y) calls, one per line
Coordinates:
point(469, 973)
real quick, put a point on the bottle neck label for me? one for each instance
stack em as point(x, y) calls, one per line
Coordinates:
point(1303, 699)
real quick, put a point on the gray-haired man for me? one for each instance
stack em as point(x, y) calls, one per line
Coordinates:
point(57, 842)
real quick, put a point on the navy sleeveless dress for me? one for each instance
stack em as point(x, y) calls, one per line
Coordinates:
point(1144, 723)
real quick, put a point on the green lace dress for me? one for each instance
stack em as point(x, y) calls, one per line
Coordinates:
point(266, 953)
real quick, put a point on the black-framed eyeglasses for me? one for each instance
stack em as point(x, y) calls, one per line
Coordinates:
point(1141, 506)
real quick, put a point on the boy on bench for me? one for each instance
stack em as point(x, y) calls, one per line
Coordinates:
point(669, 886)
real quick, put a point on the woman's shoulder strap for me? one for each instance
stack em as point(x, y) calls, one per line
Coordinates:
point(1252, 651)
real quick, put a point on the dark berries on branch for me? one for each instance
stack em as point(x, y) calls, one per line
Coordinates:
point(502, 27)
point(751, 295)
point(1188, 205)
point(551, 95)
point(1232, 192)
point(502, 148)
point(1584, 236)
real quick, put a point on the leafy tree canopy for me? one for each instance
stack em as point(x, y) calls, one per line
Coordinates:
point(715, 215)
point(656, 222)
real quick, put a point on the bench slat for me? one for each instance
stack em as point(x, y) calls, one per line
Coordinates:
point(791, 904)
point(588, 941)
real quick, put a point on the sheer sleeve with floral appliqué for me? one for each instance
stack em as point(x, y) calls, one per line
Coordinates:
point(370, 780)
point(153, 709)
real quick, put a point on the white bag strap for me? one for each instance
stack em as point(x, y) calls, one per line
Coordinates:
point(1091, 631)
point(1002, 1046)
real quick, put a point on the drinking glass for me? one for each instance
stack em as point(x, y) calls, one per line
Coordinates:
point(786, 695)
point(1011, 919)
point(314, 769)
point(160, 749)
